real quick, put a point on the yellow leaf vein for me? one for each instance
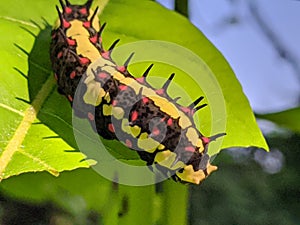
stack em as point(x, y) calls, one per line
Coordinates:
point(20, 133)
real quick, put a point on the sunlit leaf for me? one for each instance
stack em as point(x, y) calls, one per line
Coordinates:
point(35, 123)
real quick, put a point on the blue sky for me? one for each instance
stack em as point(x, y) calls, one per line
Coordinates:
point(269, 82)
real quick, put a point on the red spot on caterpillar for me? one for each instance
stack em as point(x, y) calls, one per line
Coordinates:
point(68, 10)
point(86, 24)
point(121, 69)
point(84, 61)
point(141, 79)
point(205, 140)
point(170, 122)
point(134, 115)
point(187, 110)
point(122, 87)
point(71, 42)
point(114, 102)
point(70, 98)
point(189, 149)
point(160, 91)
point(73, 74)
point(83, 11)
point(155, 131)
point(128, 143)
point(102, 75)
point(162, 120)
point(66, 24)
point(94, 39)
point(90, 116)
point(145, 100)
point(111, 128)
point(59, 55)
point(106, 55)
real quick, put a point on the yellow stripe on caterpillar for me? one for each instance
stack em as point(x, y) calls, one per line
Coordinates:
point(192, 135)
point(94, 94)
point(107, 109)
point(167, 158)
point(146, 143)
point(195, 177)
point(118, 112)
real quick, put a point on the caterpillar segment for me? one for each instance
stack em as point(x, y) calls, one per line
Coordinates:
point(123, 107)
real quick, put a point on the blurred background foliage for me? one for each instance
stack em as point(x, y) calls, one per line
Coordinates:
point(251, 187)
point(254, 187)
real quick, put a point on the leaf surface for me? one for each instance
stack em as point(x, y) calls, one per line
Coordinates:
point(36, 122)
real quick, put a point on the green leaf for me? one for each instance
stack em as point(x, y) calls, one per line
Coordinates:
point(36, 122)
point(28, 144)
point(83, 183)
point(287, 118)
point(241, 127)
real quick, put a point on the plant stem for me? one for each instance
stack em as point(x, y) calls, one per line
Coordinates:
point(111, 208)
point(181, 6)
point(136, 205)
point(174, 205)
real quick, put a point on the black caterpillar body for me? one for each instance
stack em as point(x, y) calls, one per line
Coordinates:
point(124, 107)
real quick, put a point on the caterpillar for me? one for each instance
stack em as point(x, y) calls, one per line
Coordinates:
point(121, 106)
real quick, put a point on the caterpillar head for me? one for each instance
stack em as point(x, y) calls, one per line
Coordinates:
point(79, 12)
point(198, 167)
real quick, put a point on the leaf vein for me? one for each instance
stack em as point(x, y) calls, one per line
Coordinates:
point(41, 162)
point(11, 109)
point(18, 21)
point(29, 117)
